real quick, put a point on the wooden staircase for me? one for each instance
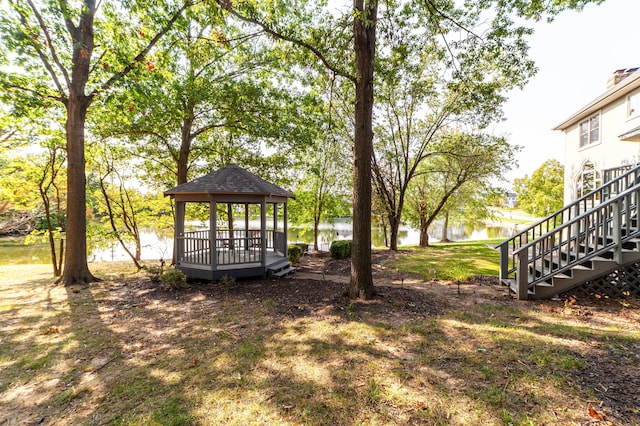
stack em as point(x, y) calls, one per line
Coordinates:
point(585, 240)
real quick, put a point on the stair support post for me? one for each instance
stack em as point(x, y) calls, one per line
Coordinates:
point(616, 230)
point(522, 275)
point(504, 262)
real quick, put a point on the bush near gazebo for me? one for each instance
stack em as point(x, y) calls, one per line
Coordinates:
point(295, 251)
point(340, 249)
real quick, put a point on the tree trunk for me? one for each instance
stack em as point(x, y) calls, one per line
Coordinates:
point(445, 225)
point(394, 225)
point(185, 149)
point(230, 221)
point(76, 270)
point(52, 243)
point(361, 284)
point(424, 226)
point(385, 230)
point(112, 221)
point(138, 248)
point(316, 227)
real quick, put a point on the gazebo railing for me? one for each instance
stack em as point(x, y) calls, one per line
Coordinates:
point(193, 247)
point(233, 247)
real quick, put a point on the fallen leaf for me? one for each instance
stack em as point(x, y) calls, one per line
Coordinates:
point(594, 413)
point(52, 330)
point(195, 362)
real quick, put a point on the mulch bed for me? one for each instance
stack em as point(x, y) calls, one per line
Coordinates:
point(613, 375)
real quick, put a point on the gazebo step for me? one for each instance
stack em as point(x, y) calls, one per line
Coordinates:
point(281, 271)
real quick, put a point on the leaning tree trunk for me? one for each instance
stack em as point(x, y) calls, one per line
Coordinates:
point(361, 284)
point(76, 270)
point(52, 243)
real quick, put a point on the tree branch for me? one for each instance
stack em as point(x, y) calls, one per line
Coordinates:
point(41, 55)
point(226, 5)
point(140, 56)
point(62, 99)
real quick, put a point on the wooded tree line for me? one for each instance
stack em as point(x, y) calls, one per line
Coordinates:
point(351, 106)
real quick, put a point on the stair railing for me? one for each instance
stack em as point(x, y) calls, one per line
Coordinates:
point(603, 229)
point(583, 204)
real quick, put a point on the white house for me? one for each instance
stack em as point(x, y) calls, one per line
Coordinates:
point(603, 136)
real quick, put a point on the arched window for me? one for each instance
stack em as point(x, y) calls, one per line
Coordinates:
point(588, 179)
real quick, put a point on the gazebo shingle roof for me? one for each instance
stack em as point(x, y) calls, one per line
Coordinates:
point(230, 180)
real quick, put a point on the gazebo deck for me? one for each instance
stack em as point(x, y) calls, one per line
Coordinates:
point(274, 262)
point(238, 256)
point(192, 261)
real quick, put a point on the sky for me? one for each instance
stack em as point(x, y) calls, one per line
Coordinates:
point(575, 55)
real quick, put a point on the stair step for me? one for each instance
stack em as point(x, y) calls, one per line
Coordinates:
point(564, 264)
point(283, 272)
point(513, 286)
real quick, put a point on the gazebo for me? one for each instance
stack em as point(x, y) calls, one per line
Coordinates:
point(245, 226)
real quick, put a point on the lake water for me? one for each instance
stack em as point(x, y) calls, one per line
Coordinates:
point(157, 244)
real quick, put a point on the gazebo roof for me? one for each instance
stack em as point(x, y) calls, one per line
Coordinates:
point(231, 180)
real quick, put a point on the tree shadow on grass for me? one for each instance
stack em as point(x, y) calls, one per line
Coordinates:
point(70, 365)
point(287, 352)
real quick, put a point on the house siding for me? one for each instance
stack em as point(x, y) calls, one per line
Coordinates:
point(608, 152)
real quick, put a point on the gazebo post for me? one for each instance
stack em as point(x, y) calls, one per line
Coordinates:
point(275, 220)
point(213, 221)
point(286, 230)
point(178, 240)
point(246, 226)
point(263, 231)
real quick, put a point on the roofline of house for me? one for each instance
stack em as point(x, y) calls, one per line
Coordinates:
point(624, 87)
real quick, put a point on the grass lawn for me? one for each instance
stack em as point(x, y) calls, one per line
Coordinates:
point(451, 261)
point(293, 352)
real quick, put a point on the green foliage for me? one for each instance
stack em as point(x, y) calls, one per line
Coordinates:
point(295, 253)
point(173, 279)
point(154, 272)
point(459, 179)
point(227, 282)
point(542, 193)
point(340, 249)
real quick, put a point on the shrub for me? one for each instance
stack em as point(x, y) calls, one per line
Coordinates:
point(340, 249)
point(295, 253)
point(173, 279)
point(227, 282)
point(154, 272)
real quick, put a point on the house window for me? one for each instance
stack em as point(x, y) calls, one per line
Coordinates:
point(590, 130)
point(588, 179)
point(633, 105)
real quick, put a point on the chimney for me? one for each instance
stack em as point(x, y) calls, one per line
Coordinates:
point(620, 75)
